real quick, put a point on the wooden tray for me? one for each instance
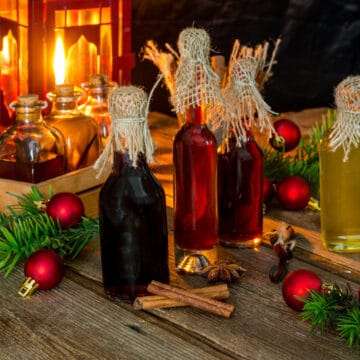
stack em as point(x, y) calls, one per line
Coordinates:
point(82, 182)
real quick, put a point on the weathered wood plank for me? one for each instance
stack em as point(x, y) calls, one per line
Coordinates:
point(73, 322)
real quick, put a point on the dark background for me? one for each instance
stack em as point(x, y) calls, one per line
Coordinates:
point(320, 42)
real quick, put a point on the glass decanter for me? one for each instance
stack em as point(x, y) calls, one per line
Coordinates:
point(81, 132)
point(96, 105)
point(31, 150)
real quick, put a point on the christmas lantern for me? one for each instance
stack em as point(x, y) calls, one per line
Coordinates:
point(95, 37)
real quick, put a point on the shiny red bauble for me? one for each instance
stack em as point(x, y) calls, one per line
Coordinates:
point(289, 131)
point(45, 267)
point(293, 193)
point(297, 285)
point(268, 190)
point(67, 208)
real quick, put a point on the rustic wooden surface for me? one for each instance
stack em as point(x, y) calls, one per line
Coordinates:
point(76, 321)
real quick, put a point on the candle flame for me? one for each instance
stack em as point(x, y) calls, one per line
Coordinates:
point(59, 61)
point(6, 52)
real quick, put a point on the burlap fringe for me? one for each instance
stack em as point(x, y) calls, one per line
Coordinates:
point(346, 129)
point(128, 108)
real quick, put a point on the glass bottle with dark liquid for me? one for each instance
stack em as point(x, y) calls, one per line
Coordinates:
point(240, 191)
point(81, 132)
point(195, 184)
point(30, 150)
point(133, 229)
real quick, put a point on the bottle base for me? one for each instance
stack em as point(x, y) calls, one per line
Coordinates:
point(192, 262)
point(343, 246)
point(241, 243)
point(125, 293)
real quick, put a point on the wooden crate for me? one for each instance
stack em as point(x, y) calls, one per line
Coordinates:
point(82, 182)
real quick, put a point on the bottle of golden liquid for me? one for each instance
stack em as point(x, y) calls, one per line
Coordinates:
point(340, 173)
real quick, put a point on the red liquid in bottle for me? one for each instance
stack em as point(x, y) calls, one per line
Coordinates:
point(133, 230)
point(240, 184)
point(33, 172)
point(195, 184)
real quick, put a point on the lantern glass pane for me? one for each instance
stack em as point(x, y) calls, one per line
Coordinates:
point(8, 9)
point(83, 17)
point(105, 15)
point(23, 12)
point(60, 18)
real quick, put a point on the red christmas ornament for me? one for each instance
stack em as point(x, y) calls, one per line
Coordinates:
point(268, 190)
point(288, 137)
point(297, 285)
point(67, 208)
point(43, 270)
point(293, 192)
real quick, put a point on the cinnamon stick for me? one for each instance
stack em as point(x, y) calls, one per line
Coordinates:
point(186, 297)
point(219, 292)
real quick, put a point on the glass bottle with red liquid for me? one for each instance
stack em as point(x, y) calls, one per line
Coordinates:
point(240, 192)
point(132, 207)
point(30, 150)
point(195, 189)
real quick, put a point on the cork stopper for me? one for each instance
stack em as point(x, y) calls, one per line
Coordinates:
point(28, 100)
point(99, 80)
point(64, 90)
point(28, 103)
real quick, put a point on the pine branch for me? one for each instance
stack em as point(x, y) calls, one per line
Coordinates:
point(27, 229)
point(349, 326)
point(334, 309)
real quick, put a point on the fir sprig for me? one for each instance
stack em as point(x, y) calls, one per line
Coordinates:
point(334, 308)
point(304, 162)
point(26, 228)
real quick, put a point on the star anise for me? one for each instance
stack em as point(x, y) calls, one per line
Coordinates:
point(222, 272)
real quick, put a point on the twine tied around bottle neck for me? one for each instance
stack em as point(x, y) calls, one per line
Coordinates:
point(346, 129)
point(195, 81)
point(128, 108)
point(246, 106)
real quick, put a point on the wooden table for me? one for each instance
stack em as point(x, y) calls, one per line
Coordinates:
point(76, 321)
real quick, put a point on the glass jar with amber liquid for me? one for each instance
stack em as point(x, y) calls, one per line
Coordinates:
point(30, 150)
point(340, 172)
point(81, 132)
point(339, 197)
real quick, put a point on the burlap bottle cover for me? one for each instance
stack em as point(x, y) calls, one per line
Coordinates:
point(128, 108)
point(196, 83)
point(245, 105)
point(346, 129)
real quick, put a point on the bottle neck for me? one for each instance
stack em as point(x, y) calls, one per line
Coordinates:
point(122, 159)
point(65, 105)
point(28, 116)
point(195, 115)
